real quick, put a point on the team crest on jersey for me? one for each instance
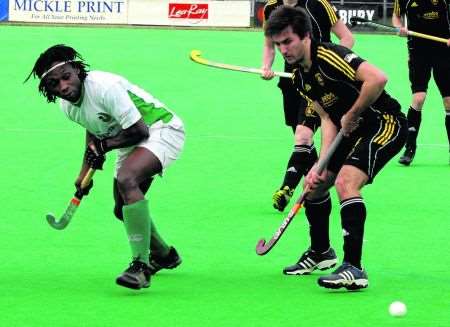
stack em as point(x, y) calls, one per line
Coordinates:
point(413, 5)
point(307, 87)
point(435, 2)
point(349, 57)
point(319, 79)
point(104, 117)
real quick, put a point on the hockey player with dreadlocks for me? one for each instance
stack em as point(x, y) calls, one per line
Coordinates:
point(118, 115)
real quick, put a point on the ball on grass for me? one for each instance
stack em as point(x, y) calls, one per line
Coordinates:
point(397, 309)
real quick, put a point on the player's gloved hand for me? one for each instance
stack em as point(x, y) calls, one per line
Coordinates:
point(83, 191)
point(95, 153)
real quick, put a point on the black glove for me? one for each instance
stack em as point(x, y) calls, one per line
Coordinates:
point(95, 153)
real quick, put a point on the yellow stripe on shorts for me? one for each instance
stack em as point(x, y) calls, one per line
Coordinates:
point(388, 130)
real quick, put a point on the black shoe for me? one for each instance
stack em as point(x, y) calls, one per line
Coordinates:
point(312, 260)
point(347, 276)
point(407, 156)
point(170, 261)
point(137, 276)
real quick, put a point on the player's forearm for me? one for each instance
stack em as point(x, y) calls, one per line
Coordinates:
point(84, 166)
point(268, 54)
point(128, 137)
point(369, 93)
point(328, 133)
point(344, 35)
point(397, 21)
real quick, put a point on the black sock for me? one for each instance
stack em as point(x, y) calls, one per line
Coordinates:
point(353, 216)
point(447, 125)
point(414, 120)
point(300, 162)
point(318, 214)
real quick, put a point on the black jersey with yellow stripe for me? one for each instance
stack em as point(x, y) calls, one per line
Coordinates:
point(331, 81)
point(323, 16)
point(425, 16)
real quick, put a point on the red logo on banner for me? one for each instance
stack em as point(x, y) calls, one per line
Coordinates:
point(188, 10)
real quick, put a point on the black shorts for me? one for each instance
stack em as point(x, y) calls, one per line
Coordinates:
point(372, 145)
point(421, 64)
point(297, 111)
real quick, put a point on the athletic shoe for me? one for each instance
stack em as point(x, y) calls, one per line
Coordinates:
point(137, 276)
point(407, 156)
point(281, 197)
point(312, 260)
point(347, 276)
point(170, 261)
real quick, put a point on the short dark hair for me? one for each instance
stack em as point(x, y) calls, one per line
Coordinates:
point(285, 16)
point(61, 53)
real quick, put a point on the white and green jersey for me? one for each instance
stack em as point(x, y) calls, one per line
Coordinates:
point(110, 103)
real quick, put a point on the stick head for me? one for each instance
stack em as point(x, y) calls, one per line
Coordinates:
point(51, 219)
point(262, 248)
point(195, 55)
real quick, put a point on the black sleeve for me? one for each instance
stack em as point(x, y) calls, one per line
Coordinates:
point(399, 8)
point(338, 62)
point(326, 14)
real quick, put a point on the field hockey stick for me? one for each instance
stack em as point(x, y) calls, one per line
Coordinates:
point(362, 21)
point(196, 56)
point(73, 204)
point(264, 247)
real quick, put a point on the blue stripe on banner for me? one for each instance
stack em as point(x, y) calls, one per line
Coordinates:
point(4, 10)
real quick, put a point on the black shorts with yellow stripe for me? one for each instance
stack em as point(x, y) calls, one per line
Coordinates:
point(372, 145)
point(297, 110)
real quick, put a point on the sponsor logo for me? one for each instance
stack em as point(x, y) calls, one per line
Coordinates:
point(349, 57)
point(347, 14)
point(328, 99)
point(188, 10)
point(431, 15)
point(413, 5)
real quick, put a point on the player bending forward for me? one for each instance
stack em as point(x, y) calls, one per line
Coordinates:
point(148, 137)
point(348, 94)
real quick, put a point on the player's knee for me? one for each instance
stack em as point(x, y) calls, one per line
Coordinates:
point(343, 186)
point(126, 182)
point(303, 135)
point(447, 104)
point(419, 100)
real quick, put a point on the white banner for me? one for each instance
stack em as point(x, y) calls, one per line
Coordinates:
point(189, 13)
point(69, 11)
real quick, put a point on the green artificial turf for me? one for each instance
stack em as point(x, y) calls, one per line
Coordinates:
point(213, 204)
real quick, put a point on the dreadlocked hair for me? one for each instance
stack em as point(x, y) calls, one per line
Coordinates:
point(56, 53)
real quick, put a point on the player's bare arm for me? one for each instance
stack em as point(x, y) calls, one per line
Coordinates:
point(127, 137)
point(344, 35)
point(374, 81)
point(268, 58)
point(397, 22)
point(328, 132)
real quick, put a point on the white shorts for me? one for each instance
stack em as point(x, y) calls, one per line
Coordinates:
point(165, 142)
